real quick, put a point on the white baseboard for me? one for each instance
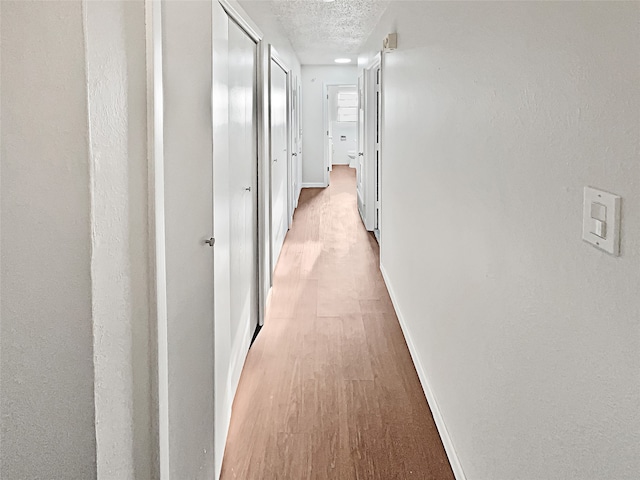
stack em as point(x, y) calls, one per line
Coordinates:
point(297, 195)
point(238, 355)
point(422, 375)
point(314, 185)
point(267, 304)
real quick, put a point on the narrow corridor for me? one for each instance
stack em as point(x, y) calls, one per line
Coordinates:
point(328, 390)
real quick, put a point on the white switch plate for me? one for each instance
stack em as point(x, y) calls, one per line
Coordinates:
point(611, 228)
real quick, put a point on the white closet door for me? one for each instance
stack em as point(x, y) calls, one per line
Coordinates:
point(242, 185)
point(279, 160)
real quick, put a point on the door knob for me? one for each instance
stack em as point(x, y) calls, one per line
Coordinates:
point(361, 154)
point(275, 159)
point(248, 189)
point(294, 154)
point(210, 242)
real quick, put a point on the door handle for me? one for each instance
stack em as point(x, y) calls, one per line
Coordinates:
point(294, 154)
point(248, 189)
point(275, 160)
point(361, 154)
point(211, 242)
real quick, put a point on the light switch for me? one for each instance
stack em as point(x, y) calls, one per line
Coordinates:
point(599, 228)
point(601, 220)
point(599, 212)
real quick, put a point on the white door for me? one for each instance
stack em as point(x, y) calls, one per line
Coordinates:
point(360, 188)
point(279, 160)
point(242, 187)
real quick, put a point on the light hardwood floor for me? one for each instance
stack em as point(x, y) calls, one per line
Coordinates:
point(329, 390)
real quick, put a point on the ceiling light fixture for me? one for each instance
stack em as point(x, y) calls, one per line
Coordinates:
point(342, 60)
point(328, 1)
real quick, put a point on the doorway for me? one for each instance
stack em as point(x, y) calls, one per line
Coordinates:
point(340, 126)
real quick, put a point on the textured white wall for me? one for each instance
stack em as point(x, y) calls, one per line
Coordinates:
point(496, 117)
point(47, 378)
point(313, 80)
point(115, 60)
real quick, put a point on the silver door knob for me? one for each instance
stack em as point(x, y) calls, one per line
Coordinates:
point(294, 154)
point(248, 189)
point(361, 154)
point(210, 242)
point(275, 159)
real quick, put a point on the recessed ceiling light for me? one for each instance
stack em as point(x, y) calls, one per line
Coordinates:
point(329, 1)
point(342, 60)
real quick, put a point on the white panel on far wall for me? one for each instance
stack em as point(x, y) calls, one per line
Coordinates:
point(601, 220)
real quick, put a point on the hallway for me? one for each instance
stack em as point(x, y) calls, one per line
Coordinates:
point(328, 390)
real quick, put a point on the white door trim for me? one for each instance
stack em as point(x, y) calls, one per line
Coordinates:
point(273, 54)
point(369, 143)
point(157, 250)
point(237, 13)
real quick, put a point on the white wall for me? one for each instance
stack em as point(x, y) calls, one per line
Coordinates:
point(47, 378)
point(115, 62)
point(496, 117)
point(341, 148)
point(314, 78)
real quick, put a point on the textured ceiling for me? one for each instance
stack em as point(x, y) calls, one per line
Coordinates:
point(320, 31)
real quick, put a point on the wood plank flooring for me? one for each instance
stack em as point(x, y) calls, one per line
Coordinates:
point(329, 390)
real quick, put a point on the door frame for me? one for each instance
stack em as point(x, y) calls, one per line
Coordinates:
point(369, 179)
point(360, 186)
point(294, 146)
point(263, 257)
point(259, 198)
point(328, 167)
point(275, 57)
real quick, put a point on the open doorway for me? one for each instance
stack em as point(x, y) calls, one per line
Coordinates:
point(340, 126)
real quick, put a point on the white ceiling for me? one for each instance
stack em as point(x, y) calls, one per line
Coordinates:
point(320, 31)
